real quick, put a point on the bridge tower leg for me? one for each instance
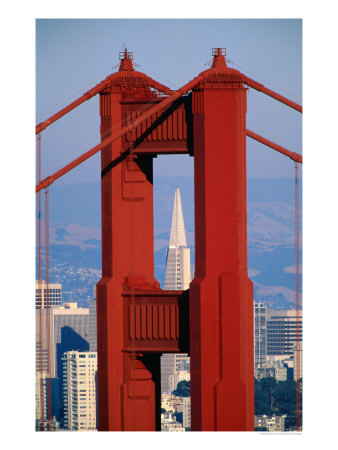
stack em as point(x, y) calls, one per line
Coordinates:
point(221, 295)
point(128, 382)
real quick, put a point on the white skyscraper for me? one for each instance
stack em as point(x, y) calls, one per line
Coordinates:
point(178, 277)
point(79, 375)
point(178, 274)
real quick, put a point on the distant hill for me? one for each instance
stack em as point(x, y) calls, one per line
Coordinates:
point(80, 203)
point(75, 235)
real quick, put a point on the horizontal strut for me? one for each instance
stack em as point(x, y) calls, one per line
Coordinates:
point(163, 104)
point(259, 87)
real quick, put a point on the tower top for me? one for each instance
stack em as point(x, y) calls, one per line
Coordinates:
point(177, 232)
point(219, 58)
point(126, 59)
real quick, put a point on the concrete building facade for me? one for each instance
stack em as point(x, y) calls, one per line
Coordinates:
point(281, 331)
point(79, 399)
point(68, 330)
point(54, 292)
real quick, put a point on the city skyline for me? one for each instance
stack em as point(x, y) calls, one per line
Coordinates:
point(318, 43)
point(235, 188)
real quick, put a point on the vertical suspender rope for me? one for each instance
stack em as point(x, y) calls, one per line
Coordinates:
point(40, 369)
point(48, 309)
point(297, 361)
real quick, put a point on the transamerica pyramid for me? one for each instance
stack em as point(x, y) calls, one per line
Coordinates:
point(177, 233)
point(177, 275)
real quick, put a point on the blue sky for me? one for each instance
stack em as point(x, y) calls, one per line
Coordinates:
point(74, 55)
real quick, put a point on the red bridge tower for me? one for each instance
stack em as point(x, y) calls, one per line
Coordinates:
point(137, 321)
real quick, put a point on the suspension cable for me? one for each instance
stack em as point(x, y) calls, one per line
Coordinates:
point(48, 310)
point(154, 110)
point(297, 361)
point(39, 305)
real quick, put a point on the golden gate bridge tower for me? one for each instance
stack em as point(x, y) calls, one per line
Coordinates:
point(137, 321)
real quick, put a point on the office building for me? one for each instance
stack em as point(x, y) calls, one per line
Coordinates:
point(63, 328)
point(170, 364)
point(178, 275)
point(79, 381)
point(281, 331)
point(260, 334)
point(51, 293)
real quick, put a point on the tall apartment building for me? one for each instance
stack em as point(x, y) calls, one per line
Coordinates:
point(53, 291)
point(260, 334)
point(178, 276)
point(79, 380)
point(92, 326)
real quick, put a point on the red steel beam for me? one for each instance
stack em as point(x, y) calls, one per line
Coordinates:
point(86, 96)
point(166, 102)
point(160, 87)
point(294, 156)
point(259, 87)
point(49, 180)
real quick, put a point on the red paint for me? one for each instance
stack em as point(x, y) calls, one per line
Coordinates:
point(294, 156)
point(128, 379)
point(259, 87)
point(221, 300)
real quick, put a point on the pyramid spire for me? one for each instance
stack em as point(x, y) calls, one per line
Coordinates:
point(177, 233)
point(178, 274)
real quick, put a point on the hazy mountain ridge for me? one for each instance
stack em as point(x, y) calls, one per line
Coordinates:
point(75, 252)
